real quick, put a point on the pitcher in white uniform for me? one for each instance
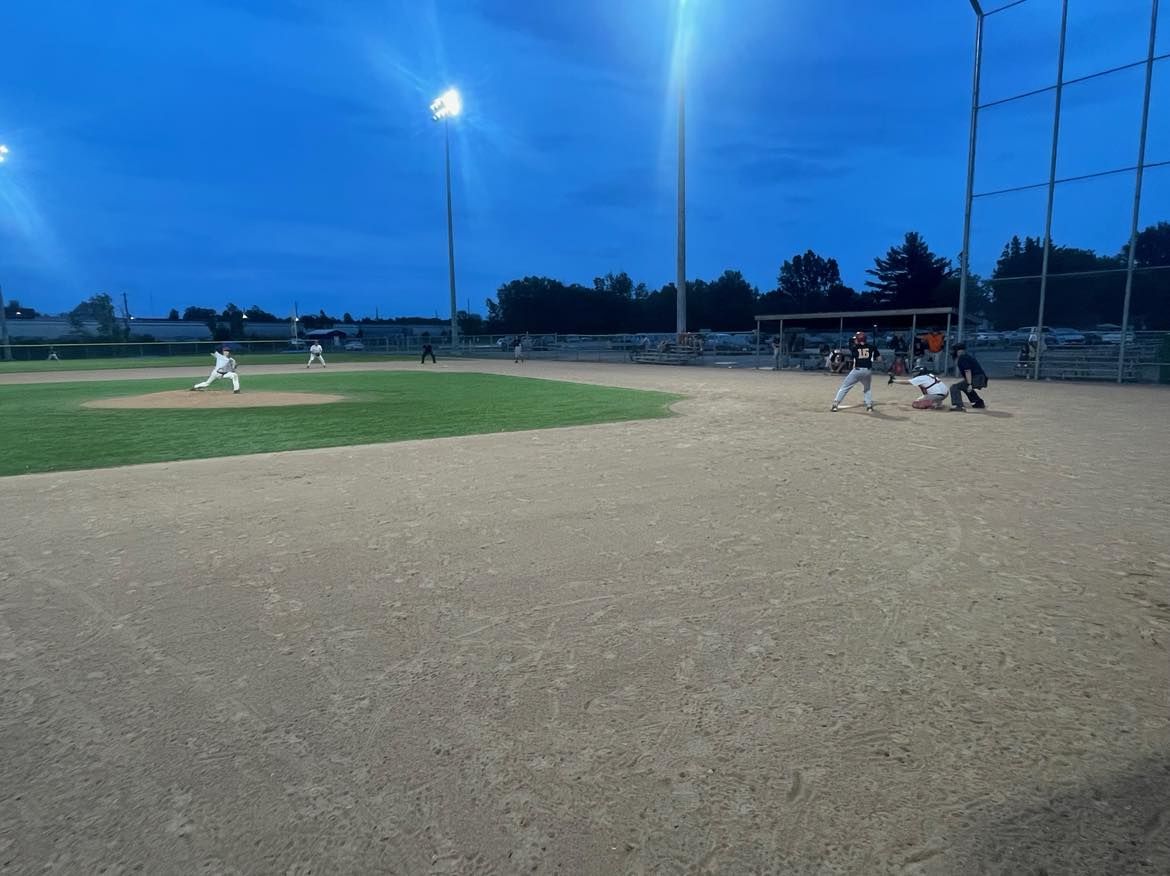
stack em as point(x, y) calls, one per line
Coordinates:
point(225, 366)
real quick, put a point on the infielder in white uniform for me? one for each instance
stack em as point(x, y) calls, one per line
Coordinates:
point(934, 391)
point(225, 366)
point(863, 356)
point(315, 352)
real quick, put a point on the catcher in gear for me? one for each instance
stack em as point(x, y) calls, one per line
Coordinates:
point(934, 391)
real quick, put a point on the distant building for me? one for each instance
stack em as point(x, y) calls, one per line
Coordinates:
point(61, 329)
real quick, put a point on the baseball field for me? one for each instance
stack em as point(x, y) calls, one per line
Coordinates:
point(704, 627)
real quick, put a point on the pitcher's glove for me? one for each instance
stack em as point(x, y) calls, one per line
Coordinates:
point(891, 380)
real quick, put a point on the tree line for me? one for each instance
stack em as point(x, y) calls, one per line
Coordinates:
point(908, 276)
point(1084, 289)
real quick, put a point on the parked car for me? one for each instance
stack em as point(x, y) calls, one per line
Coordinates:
point(1018, 336)
point(1110, 333)
point(988, 337)
point(354, 345)
point(1029, 334)
point(295, 345)
point(1115, 337)
point(1069, 336)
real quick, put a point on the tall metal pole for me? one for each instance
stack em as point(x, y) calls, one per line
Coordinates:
point(451, 241)
point(126, 315)
point(965, 255)
point(1051, 187)
point(680, 312)
point(4, 330)
point(1137, 191)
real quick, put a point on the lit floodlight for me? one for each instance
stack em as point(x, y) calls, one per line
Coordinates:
point(447, 105)
point(3, 153)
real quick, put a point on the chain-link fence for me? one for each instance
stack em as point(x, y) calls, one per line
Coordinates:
point(1066, 355)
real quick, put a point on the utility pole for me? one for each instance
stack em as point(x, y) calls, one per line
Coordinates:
point(126, 315)
point(4, 330)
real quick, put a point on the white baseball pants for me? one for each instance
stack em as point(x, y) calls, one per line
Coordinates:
point(215, 375)
point(858, 375)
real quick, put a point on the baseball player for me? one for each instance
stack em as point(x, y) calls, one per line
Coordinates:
point(225, 366)
point(863, 356)
point(518, 352)
point(315, 352)
point(971, 377)
point(934, 391)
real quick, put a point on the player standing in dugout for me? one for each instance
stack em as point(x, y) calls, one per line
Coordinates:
point(864, 355)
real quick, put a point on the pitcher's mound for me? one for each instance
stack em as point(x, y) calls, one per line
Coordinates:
point(214, 398)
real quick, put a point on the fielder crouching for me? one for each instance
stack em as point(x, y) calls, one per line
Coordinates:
point(225, 366)
point(934, 391)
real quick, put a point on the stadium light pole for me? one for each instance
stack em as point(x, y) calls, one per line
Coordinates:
point(680, 313)
point(444, 108)
point(965, 253)
point(7, 348)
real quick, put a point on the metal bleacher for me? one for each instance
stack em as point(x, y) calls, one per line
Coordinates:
point(1086, 363)
point(672, 355)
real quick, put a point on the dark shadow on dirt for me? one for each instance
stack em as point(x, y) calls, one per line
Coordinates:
point(1117, 825)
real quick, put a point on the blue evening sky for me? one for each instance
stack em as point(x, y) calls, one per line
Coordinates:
point(271, 151)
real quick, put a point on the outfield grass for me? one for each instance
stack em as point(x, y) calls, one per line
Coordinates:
point(202, 360)
point(47, 429)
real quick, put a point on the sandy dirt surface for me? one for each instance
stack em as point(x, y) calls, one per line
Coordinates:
point(187, 400)
point(756, 637)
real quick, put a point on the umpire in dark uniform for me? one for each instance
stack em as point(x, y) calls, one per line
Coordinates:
point(972, 377)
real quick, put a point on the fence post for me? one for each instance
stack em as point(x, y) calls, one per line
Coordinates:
point(1051, 184)
point(1137, 189)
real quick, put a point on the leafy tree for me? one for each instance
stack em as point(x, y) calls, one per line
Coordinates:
point(1150, 306)
point(15, 310)
point(1092, 295)
point(259, 315)
point(909, 276)
point(174, 314)
point(199, 314)
point(234, 317)
point(346, 318)
point(321, 320)
point(726, 303)
point(100, 309)
point(1153, 247)
point(470, 323)
point(841, 297)
point(805, 280)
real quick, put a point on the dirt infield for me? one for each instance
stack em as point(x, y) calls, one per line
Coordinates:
point(187, 400)
point(756, 637)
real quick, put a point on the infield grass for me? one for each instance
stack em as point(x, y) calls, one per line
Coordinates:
point(47, 429)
